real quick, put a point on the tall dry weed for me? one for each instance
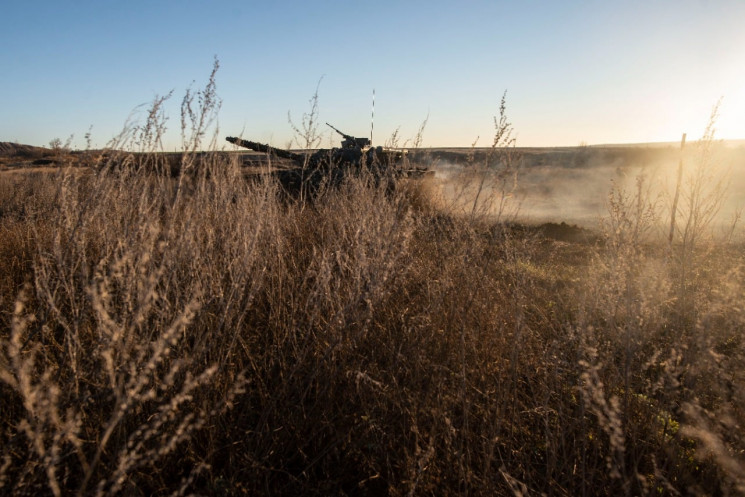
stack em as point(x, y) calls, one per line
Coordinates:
point(205, 333)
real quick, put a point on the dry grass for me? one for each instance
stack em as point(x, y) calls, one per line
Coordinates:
point(205, 334)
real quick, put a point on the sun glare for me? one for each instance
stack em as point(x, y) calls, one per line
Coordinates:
point(731, 122)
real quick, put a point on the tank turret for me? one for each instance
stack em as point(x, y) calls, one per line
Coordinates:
point(351, 141)
point(334, 163)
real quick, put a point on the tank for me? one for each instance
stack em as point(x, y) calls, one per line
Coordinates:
point(331, 165)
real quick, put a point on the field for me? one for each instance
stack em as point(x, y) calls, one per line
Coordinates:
point(517, 323)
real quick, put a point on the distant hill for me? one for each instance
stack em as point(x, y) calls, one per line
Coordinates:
point(8, 149)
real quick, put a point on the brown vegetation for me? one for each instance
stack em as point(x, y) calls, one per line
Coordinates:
point(204, 334)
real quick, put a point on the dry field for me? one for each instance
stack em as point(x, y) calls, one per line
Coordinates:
point(201, 333)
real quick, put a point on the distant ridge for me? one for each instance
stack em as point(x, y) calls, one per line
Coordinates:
point(729, 143)
point(8, 149)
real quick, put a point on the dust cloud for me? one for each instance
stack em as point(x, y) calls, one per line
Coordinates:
point(572, 184)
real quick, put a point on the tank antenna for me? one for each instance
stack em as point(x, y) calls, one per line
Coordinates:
point(372, 118)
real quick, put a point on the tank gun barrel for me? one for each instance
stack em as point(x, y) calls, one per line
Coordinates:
point(260, 147)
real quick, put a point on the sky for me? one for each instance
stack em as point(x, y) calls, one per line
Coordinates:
point(574, 72)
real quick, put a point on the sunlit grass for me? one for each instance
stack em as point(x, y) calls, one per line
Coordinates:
point(208, 334)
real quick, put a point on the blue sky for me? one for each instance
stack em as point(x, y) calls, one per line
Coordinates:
point(574, 71)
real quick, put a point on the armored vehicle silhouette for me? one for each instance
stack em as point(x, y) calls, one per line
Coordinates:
point(311, 169)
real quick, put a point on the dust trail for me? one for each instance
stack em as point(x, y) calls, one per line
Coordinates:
point(476, 191)
point(572, 185)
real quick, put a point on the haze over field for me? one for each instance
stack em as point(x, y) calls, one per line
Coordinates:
point(593, 72)
point(572, 184)
point(540, 311)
